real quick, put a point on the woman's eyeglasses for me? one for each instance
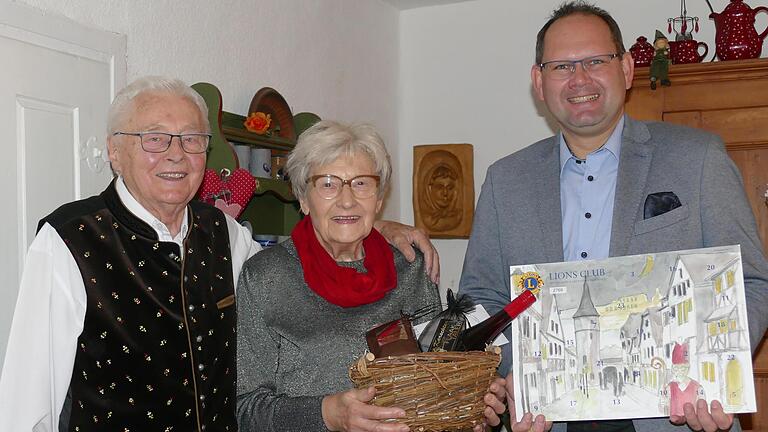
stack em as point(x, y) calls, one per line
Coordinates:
point(329, 186)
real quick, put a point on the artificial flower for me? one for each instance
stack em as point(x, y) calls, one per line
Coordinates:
point(258, 122)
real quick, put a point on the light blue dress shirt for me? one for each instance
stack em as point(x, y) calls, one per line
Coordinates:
point(587, 190)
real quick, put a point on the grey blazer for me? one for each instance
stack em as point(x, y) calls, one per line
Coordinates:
point(518, 217)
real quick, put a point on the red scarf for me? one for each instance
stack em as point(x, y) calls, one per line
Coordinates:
point(344, 286)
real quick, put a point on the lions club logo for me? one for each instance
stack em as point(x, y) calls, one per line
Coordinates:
point(531, 281)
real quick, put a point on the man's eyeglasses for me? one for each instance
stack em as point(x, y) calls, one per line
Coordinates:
point(329, 186)
point(159, 142)
point(563, 69)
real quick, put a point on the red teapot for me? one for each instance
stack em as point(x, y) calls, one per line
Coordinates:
point(735, 34)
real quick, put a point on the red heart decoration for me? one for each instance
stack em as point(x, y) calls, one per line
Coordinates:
point(240, 185)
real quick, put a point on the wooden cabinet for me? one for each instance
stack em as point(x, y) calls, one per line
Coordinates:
point(273, 209)
point(730, 99)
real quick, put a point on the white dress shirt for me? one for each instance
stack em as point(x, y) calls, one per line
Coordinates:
point(49, 317)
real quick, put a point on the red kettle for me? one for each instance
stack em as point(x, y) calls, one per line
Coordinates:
point(735, 34)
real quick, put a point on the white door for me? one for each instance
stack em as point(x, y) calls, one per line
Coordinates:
point(56, 83)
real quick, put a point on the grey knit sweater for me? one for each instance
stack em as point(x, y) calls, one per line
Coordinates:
point(294, 347)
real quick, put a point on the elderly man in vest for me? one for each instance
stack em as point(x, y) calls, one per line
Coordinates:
point(125, 319)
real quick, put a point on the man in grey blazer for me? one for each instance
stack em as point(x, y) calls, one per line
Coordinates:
point(607, 185)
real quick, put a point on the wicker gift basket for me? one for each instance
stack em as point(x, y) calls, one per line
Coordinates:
point(439, 391)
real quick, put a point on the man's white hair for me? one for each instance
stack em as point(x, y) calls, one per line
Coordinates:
point(122, 105)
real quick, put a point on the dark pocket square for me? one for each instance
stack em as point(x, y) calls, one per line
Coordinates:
point(659, 203)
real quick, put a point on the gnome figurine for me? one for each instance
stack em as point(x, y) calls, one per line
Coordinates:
point(660, 63)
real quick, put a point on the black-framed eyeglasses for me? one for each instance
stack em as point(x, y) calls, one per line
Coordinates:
point(329, 186)
point(562, 69)
point(159, 142)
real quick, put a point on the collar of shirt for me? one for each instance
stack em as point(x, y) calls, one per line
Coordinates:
point(587, 191)
point(612, 146)
point(163, 234)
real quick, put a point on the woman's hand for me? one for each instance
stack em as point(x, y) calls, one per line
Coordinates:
point(527, 423)
point(349, 411)
point(494, 404)
point(403, 237)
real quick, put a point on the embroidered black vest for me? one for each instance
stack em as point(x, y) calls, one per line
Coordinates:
point(157, 351)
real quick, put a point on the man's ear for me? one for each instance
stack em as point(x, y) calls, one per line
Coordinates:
point(113, 150)
point(536, 81)
point(628, 68)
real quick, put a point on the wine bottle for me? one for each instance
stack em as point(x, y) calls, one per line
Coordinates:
point(477, 337)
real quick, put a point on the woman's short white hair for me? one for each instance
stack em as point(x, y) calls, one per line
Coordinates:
point(123, 104)
point(326, 142)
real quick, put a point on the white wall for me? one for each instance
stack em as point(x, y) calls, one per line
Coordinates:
point(443, 74)
point(465, 78)
point(336, 58)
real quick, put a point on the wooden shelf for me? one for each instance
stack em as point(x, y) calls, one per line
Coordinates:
point(279, 188)
point(234, 131)
point(273, 209)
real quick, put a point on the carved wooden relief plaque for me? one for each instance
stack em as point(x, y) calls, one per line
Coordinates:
point(443, 189)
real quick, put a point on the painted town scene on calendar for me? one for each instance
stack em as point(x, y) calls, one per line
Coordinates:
point(631, 337)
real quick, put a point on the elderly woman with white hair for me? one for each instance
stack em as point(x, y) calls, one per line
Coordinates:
point(304, 305)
